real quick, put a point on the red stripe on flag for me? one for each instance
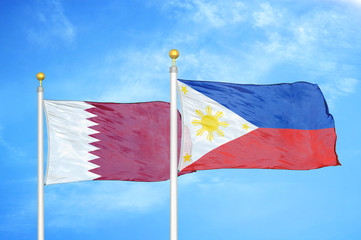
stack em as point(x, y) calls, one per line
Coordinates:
point(133, 141)
point(270, 148)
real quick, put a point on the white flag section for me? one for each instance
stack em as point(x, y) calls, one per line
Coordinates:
point(206, 125)
point(69, 142)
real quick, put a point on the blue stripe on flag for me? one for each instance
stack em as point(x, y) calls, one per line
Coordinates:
point(299, 105)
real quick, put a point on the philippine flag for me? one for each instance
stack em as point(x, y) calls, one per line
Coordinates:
point(280, 126)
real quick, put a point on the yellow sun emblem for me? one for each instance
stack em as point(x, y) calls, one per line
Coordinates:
point(210, 123)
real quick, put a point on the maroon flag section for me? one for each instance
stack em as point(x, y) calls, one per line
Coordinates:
point(133, 141)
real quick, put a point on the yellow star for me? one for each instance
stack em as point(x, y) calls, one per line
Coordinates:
point(184, 89)
point(187, 158)
point(245, 126)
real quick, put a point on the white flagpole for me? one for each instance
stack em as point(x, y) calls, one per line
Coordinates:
point(173, 148)
point(40, 76)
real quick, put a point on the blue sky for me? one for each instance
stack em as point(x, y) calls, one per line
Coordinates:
point(118, 51)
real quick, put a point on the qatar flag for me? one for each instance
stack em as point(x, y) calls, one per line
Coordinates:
point(108, 141)
point(280, 126)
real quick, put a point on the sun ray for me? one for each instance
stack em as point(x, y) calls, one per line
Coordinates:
point(219, 114)
point(200, 132)
point(199, 113)
point(196, 122)
point(220, 132)
point(210, 136)
point(223, 124)
point(208, 110)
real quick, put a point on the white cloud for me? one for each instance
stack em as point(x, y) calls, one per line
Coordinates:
point(305, 41)
point(312, 42)
point(130, 75)
point(347, 85)
point(336, 88)
point(304, 34)
point(283, 37)
point(268, 16)
point(52, 24)
point(353, 2)
point(215, 14)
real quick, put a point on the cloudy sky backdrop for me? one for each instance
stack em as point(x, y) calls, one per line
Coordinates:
point(117, 51)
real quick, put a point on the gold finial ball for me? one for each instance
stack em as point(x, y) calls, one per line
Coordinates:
point(40, 76)
point(173, 53)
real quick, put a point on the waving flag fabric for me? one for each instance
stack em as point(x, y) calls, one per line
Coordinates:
point(108, 141)
point(281, 126)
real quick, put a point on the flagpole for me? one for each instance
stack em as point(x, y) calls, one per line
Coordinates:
point(40, 76)
point(173, 148)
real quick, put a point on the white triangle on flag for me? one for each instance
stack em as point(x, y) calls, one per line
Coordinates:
point(203, 116)
point(69, 142)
